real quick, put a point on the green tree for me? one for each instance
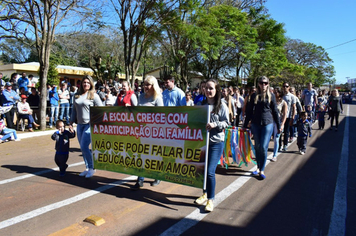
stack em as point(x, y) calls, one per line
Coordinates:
point(317, 65)
point(269, 58)
point(177, 38)
point(223, 36)
point(53, 78)
point(139, 23)
point(37, 21)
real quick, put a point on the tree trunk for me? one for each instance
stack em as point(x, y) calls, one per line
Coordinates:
point(44, 66)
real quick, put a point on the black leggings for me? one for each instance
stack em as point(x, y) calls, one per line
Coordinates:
point(334, 114)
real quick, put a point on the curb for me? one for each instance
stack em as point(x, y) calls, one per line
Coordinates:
point(35, 134)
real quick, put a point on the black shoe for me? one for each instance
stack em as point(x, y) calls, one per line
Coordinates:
point(155, 183)
point(138, 185)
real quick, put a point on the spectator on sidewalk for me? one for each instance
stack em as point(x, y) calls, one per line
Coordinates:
point(7, 133)
point(53, 99)
point(34, 100)
point(25, 112)
point(64, 97)
point(9, 98)
point(72, 92)
point(23, 82)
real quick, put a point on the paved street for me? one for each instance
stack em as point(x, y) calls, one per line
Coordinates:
point(297, 197)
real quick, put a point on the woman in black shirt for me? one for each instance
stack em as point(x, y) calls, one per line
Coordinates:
point(262, 111)
point(335, 106)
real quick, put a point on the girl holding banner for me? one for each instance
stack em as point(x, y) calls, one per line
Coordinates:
point(219, 120)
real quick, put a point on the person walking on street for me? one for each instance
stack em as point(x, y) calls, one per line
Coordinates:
point(282, 114)
point(219, 119)
point(262, 111)
point(304, 130)
point(84, 99)
point(291, 111)
point(62, 136)
point(172, 95)
point(335, 107)
point(309, 97)
point(152, 96)
point(127, 96)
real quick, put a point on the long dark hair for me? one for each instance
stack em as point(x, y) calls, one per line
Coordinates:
point(217, 98)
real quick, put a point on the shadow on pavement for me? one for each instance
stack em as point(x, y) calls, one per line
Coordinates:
point(302, 206)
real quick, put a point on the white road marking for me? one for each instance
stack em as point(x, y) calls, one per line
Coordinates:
point(339, 212)
point(51, 207)
point(177, 229)
point(6, 181)
point(196, 216)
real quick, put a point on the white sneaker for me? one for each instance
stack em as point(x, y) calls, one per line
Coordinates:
point(209, 206)
point(84, 173)
point(90, 173)
point(274, 159)
point(201, 200)
point(302, 153)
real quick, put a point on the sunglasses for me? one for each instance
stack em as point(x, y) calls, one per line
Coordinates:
point(286, 86)
point(263, 83)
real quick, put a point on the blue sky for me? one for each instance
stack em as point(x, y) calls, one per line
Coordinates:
point(325, 23)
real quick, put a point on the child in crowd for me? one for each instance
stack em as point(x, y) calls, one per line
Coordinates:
point(310, 114)
point(62, 136)
point(321, 115)
point(7, 133)
point(304, 129)
point(188, 98)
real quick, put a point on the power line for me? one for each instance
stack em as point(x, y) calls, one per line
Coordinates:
point(341, 44)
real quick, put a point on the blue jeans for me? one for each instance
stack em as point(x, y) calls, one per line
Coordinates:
point(215, 151)
point(276, 139)
point(84, 138)
point(262, 135)
point(29, 118)
point(54, 115)
point(64, 109)
point(7, 132)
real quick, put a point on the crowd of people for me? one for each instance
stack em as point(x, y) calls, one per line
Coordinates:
point(278, 113)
